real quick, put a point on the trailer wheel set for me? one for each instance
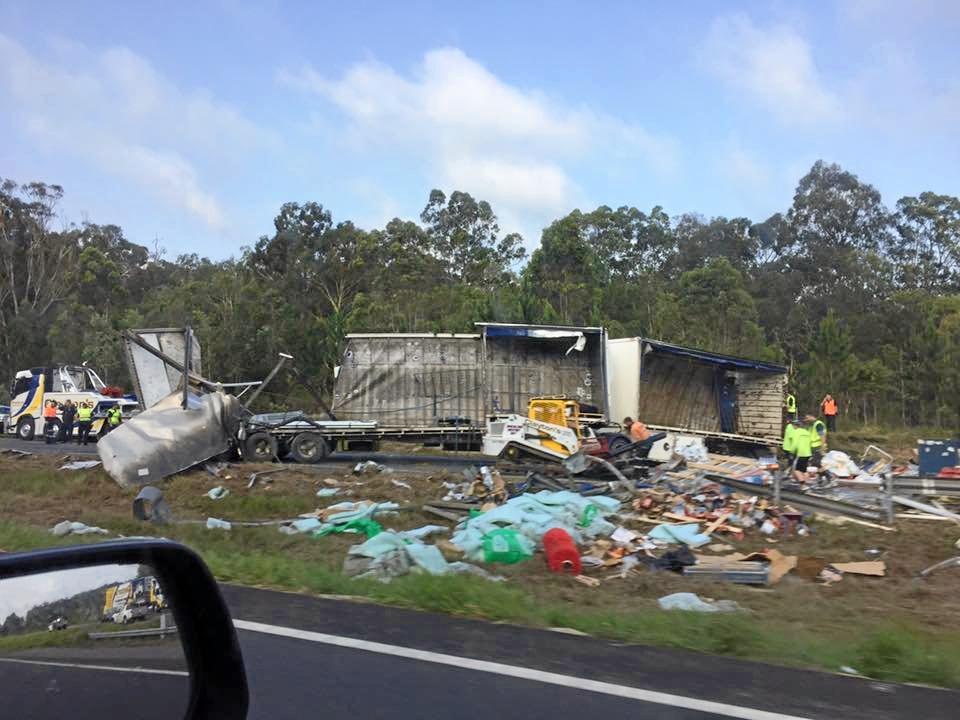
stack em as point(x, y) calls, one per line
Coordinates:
point(304, 447)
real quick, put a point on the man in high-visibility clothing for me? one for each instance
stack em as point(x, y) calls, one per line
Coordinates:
point(803, 450)
point(791, 404)
point(789, 442)
point(114, 418)
point(84, 421)
point(818, 437)
point(50, 429)
point(829, 408)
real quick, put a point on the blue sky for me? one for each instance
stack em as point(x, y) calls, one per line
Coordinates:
point(191, 125)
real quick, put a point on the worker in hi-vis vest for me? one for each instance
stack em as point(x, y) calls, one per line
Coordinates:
point(50, 429)
point(818, 437)
point(84, 421)
point(828, 406)
point(791, 404)
point(114, 418)
point(802, 450)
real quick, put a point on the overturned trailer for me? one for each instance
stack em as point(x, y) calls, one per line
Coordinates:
point(443, 380)
point(680, 389)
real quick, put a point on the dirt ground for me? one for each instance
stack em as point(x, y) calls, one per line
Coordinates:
point(34, 492)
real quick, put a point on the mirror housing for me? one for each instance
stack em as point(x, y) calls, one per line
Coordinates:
point(218, 682)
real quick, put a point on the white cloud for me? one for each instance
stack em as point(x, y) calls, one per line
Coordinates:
point(774, 66)
point(744, 168)
point(476, 132)
point(114, 111)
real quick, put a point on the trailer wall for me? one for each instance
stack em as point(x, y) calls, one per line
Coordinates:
point(523, 362)
point(409, 380)
point(671, 386)
point(415, 380)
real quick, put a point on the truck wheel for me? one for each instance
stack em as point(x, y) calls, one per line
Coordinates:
point(260, 447)
point(617, 443)
point(308, 448)
point(26, 427)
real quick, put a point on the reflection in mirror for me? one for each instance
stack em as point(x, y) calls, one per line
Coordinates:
point(88, 642)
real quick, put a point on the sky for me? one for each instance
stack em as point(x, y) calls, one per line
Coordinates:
point(189, 125)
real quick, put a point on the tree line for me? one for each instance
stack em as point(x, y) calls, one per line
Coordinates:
point(857, 298)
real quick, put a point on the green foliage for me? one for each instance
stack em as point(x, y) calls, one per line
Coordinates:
point(859, 301)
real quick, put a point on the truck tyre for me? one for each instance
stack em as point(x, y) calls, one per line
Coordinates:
point(308, 447)
point(260, 447)
point(26, 427)
point(617, 443)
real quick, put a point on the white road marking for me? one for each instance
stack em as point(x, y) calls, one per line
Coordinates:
point(625, 691)
point(149, 671)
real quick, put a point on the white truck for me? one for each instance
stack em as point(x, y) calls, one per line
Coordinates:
point(32, 388)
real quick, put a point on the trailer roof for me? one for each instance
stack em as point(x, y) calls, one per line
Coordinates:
point(473, 336)
point(519, 328)
point(712, 358)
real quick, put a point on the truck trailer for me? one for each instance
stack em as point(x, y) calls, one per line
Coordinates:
point(436, 380)
point(684, 390)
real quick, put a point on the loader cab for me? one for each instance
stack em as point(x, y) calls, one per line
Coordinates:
point(557, 411)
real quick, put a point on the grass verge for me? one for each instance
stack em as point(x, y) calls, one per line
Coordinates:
point(887, 650)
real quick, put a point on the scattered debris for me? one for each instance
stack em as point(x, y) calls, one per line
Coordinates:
point(952, 562)
point(216, 524)
point(80, 465)
point(15, 452)
point(255, 477)
point(369, 467)
point(150, 506)
point(328, 492)
point(876, 568)
point(76, 528)
point(401, 484)
point(692, 602)
point(588, 581)
point(217, 493)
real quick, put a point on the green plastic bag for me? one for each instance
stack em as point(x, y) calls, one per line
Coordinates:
point(364, 525)
point(589, 513)
point(504, 546)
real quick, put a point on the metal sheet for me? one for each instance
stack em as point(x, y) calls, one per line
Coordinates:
point(166, 439)
point(415, 380)
point(409, 381)
point(152, 378)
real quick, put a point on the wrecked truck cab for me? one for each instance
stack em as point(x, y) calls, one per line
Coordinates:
point(167, 438)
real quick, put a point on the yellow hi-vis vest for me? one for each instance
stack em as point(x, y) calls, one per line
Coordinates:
point(84, 414)
point(791, 404)
point(817, 433)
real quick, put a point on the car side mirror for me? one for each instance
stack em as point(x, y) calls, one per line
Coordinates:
point(135, 626)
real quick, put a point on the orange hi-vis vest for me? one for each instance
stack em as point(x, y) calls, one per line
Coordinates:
point(830, 407)
point(50, 411)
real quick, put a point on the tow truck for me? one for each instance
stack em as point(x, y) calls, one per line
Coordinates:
point(32, 388)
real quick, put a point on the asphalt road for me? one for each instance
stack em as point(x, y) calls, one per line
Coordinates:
point(60, 690)
point(39, 447)
point(291, 677)
point(308, 657)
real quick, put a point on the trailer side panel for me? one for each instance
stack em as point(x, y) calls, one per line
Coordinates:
point(409, 380)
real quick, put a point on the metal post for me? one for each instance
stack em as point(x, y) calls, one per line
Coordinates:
point(888, 496)
point(187, 356)
point(276, 368)
point(777, 479)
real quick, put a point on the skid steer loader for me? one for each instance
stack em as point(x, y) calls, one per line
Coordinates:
point(552, 430)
